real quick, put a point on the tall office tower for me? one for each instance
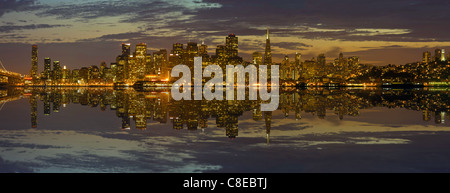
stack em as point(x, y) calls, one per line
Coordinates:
point(57, 73)
point(221, 55)
point(177, 49)
point(231, 44)
point(267, 52)
point(119, 70)
point(34, 63)
point(126, 49)
point(47, 68)
point(438, 55)
point(160, 64)
point(138, 68)
point(426, 57)
point(285, 69)
point(190, 53)
point(65, 75)
point(203, 49)
point(321, 61)
point(257, 58)
point(298, 68)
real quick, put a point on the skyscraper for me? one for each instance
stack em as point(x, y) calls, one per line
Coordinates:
point(138, 69)
point(160, 64)
point(47, 68)
point(34, 63)
point(190, 53)
point(231, 44)
point(426, 57)
point(57, 73)
point(267, 52)
point(298, 68)
point(257, 58)
point(203, 49)
point(126, 49)
point(439, 55)
point(285, 69)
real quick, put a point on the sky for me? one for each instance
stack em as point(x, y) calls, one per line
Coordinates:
point(87, 32)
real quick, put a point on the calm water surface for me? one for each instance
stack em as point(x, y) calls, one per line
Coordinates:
point(313, 130)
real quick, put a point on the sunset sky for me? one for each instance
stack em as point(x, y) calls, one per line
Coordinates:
point(87, 32)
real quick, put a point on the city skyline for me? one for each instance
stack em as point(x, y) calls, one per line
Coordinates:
point(63, 30)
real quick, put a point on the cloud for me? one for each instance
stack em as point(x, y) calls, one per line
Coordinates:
point(11, 28)
point(14, 5)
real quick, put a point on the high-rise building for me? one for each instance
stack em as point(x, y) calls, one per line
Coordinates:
point(257, 58)
point(126, 49)
point(56, 72)
point(221, 55)
point(203, 49)
point(34, 63)
point(47, 68)
point(298, 68)
point(267, 52)
point(231, 44)
point(285, 69)
point(426, 57)
point(177, 49)
point(190, 53)
point(65, 75)
point(439, 55)
point(138, 68)
point(160, 64)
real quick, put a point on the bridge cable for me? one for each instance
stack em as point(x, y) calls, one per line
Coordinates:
point(2, 106)
point(1, 63)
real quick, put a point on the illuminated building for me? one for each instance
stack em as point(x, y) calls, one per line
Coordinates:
point(65, 75)
point(75, 76)
point(160, 64)
point(126, 49)
point(267, 52)
point(175, 56)
point(439, 55)
point(137, 69)
point(47, 68)
point(203, 50)
point(119, 69)
point(231, 46)
point(257, 58)
point(298, 68)
point(426, 57)
point(285, 68)
point(57, 73)
point(189, 54)
point(221, 55)
point(177, 49)
point(34, 63)
point(83, 75)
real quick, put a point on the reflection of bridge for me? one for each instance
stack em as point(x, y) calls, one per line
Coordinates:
point(9, 78)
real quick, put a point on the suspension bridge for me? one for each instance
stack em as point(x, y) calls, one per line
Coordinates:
point(8, 78)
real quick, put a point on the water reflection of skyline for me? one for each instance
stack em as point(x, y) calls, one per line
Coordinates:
point(139, 107)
